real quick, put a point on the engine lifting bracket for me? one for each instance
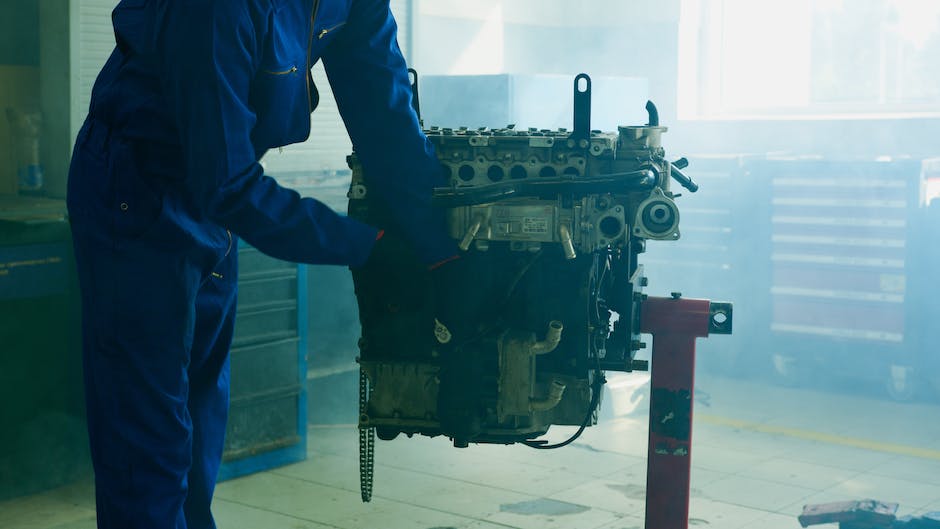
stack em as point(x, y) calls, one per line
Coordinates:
point(675, 324)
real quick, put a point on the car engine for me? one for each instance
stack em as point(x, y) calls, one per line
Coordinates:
point(551, 223)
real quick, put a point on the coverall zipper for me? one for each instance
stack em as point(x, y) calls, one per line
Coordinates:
point(313, 20)
point(228, 250)
point(327, 30)
point(282, 72)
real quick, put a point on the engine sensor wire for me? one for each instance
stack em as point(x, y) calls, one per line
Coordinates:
point(599, 381)
point(487, 328)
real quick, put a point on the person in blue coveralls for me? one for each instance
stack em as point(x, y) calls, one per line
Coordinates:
point(165, 178)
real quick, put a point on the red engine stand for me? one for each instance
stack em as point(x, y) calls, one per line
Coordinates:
point(675, 323)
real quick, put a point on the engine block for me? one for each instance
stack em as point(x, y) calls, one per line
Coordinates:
point(552, 223)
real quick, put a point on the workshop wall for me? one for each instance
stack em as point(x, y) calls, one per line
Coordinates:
point(19, 87)
point(19, 75)
point(633, 39)
point(19, 35)
point(549, 37)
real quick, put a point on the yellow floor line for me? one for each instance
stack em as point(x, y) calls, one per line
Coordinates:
point(809, 435)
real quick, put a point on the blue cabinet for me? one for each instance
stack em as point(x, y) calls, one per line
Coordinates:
point(43, 443)
point(267, 422)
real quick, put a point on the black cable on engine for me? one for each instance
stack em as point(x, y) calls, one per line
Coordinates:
point(599, 381)
point(488, 327)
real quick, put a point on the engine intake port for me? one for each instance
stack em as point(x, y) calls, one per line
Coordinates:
point(547, 171)
point(466, 173)
point(611, 227)
point(495, 173)
point(518, 172)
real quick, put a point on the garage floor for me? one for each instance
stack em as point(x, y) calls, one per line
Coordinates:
point(759, 454)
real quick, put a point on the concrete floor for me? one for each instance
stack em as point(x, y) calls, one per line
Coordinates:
point(759, 454)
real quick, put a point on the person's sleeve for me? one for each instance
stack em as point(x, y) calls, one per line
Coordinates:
point(210, 51)
point(370, 81)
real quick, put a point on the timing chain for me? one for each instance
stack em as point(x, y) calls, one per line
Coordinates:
point(366, 441)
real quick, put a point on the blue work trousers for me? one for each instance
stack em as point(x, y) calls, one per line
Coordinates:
point(157, 319)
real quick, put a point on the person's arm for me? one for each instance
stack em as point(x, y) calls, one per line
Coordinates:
point(209, 53)
point(370, 81)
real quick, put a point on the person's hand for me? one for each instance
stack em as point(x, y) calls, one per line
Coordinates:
point(385, 250)
point(392, 302)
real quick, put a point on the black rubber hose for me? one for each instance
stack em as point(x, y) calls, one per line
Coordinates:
point(683, 179)
point(653, 113)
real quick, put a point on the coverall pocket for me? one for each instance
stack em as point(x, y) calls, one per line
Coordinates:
point(137, 202)
point(280, 94)
point(280, 69)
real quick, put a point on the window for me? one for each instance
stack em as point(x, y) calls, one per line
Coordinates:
point(809, 58)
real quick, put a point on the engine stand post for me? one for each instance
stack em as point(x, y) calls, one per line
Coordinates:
point(675, 323)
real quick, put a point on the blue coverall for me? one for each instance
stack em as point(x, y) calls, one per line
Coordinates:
point(165, 177)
